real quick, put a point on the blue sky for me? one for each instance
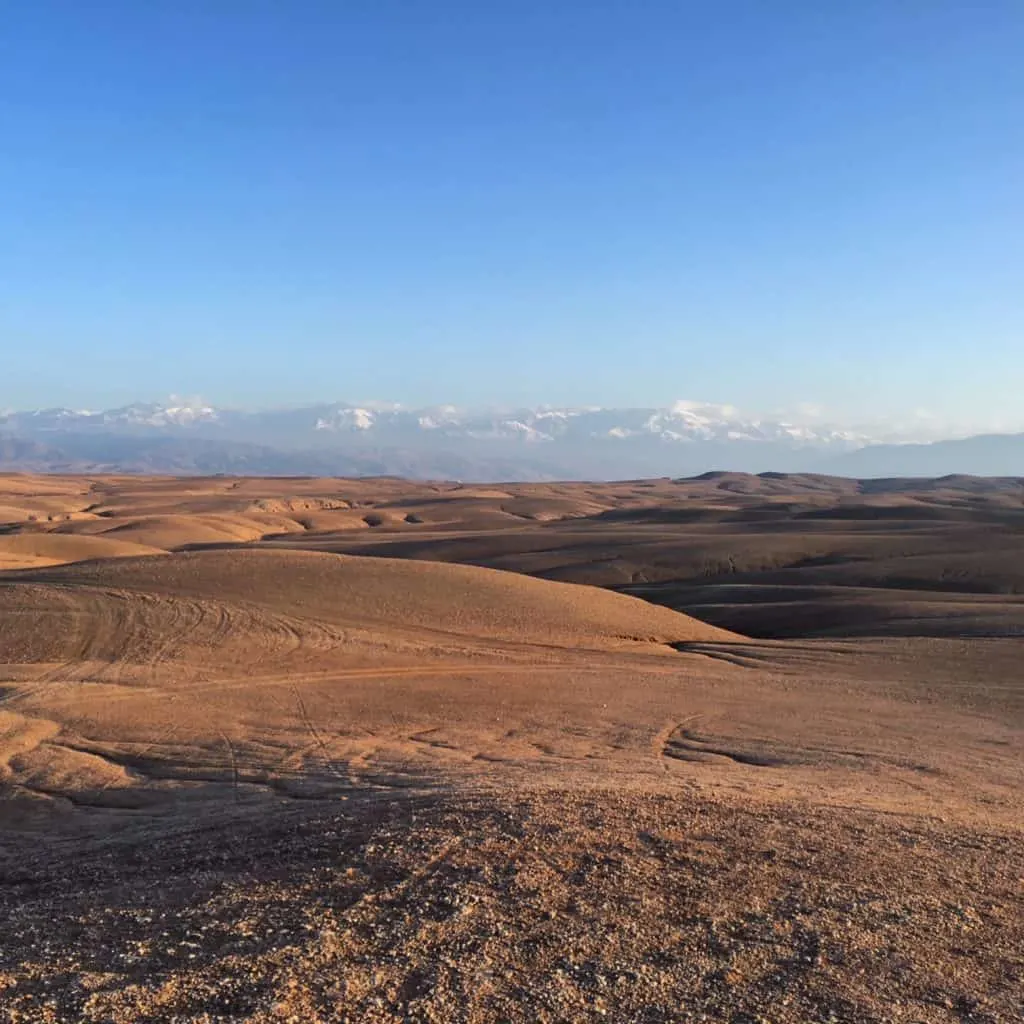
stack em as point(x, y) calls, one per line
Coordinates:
point(620, 203)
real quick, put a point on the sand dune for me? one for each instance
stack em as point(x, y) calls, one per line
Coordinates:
point(54, 549)
point(396, 594)
point(169, 532)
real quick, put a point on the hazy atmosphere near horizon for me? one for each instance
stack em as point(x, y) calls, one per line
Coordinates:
point(808, 211)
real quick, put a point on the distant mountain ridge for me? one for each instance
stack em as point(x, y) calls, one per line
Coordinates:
point(981, 455)
point(682, 422)
point(445, 441)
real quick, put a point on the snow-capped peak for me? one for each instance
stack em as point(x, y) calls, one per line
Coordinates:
point(347, 419)
point(682, 422)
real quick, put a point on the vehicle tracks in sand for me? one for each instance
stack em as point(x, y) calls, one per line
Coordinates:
point(683, 743)
point(777, 656)
point(295, 679)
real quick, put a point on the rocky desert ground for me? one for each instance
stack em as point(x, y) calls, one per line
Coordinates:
point(739, 749)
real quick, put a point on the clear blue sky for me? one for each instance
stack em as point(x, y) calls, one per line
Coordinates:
point(765, 202)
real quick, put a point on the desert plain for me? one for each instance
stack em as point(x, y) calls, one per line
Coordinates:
point(733, 748)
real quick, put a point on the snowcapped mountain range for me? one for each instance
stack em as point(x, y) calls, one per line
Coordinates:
point(538, 443)
point(681, 422)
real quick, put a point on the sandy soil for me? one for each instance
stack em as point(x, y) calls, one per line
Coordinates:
point(260, 780)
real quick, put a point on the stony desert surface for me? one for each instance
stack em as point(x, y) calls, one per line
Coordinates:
point(734, 748)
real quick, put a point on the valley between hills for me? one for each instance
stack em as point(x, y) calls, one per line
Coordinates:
point(728, 748)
